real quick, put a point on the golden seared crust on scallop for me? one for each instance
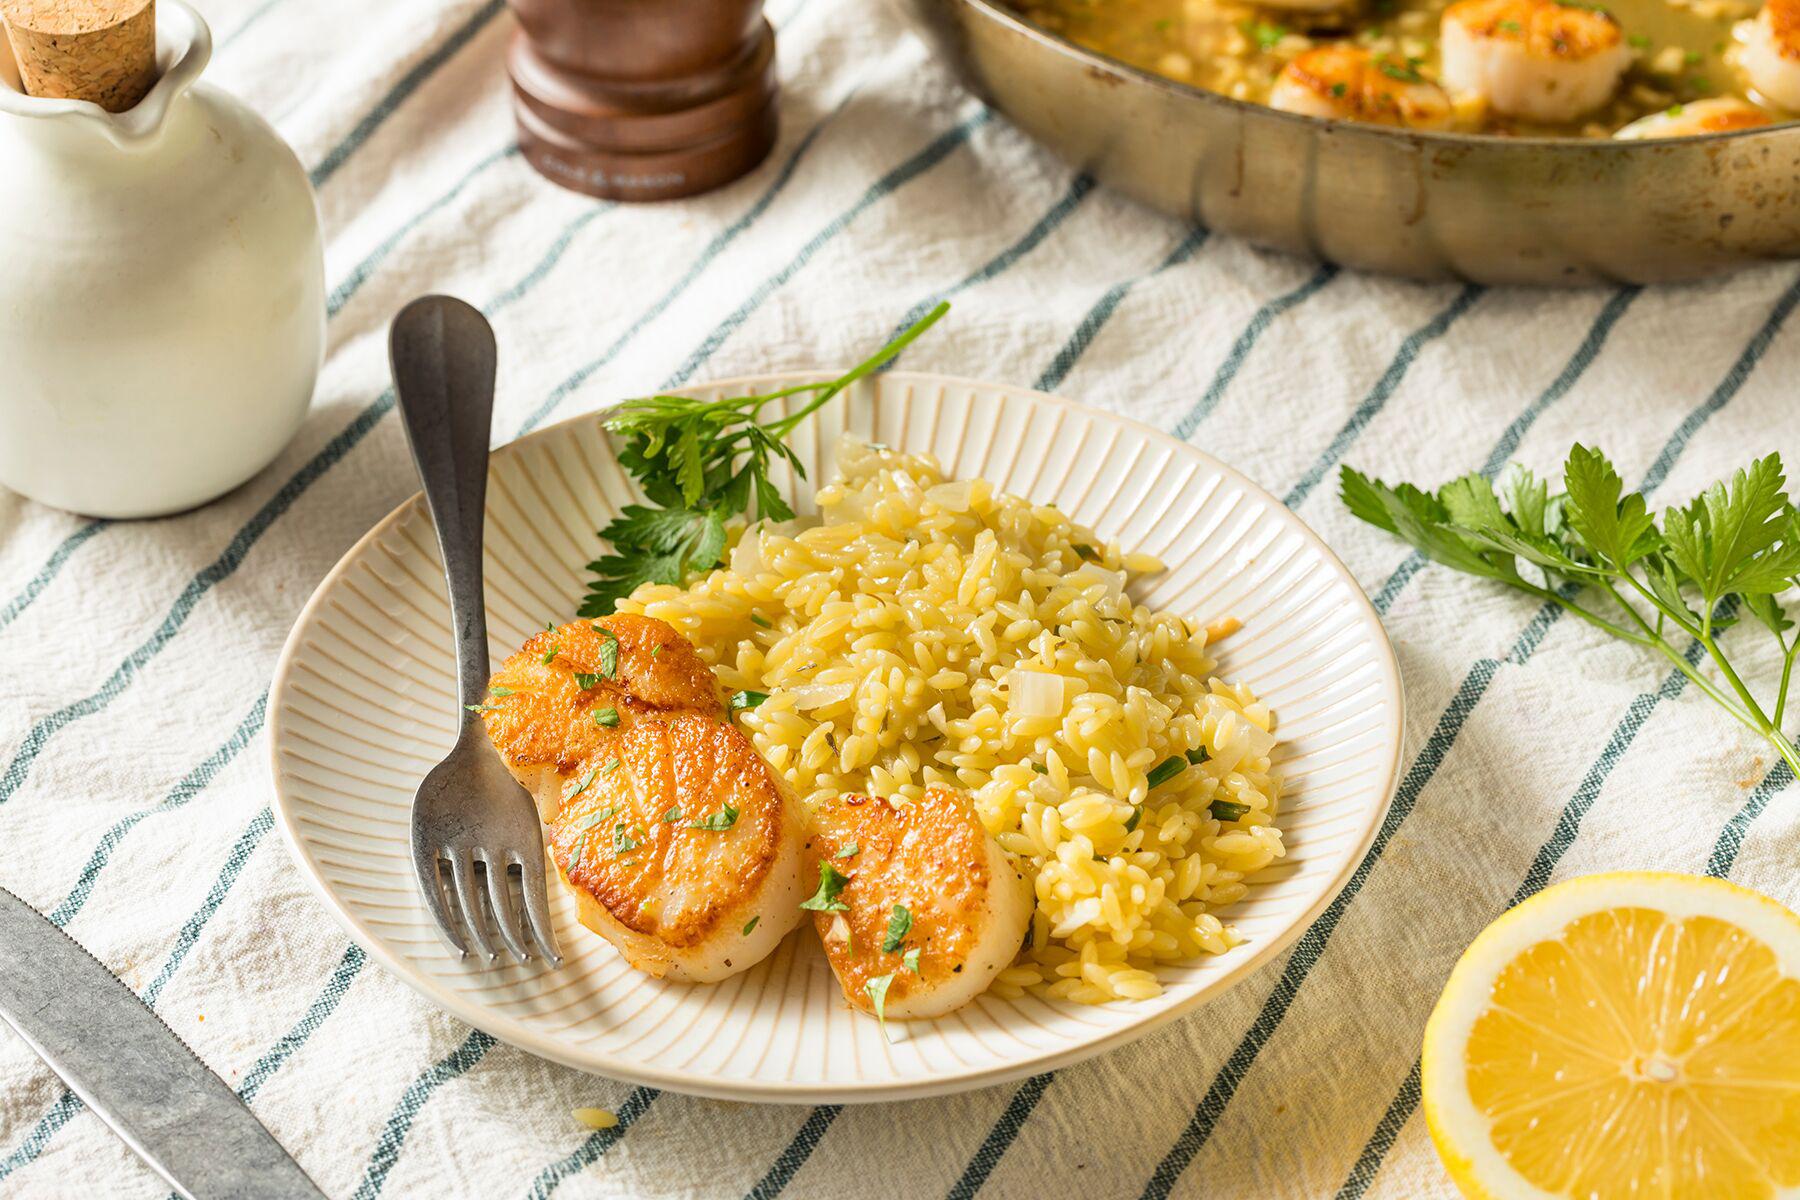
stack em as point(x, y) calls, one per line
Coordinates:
point(967, 907)
point(544, 721)
point(1349, 83)
point(673, 838)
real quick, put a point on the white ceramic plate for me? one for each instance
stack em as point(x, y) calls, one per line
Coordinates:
point(364, 704)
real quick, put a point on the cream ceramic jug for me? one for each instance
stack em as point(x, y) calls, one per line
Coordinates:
point(162, 290)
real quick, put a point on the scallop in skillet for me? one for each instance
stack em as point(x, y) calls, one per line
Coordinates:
point(917, 905)
point(572, 689)
point(1535, 59)
point(1349, 83)
point(1772, 53)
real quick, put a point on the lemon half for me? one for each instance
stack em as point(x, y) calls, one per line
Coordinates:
point(1629, 1036)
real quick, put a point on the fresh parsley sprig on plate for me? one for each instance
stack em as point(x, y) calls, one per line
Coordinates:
point(702, 463)
point(1734, 548)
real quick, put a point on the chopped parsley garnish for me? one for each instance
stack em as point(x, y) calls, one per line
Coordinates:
point(622, 841)
point(1135, 819)
point(911, 959)
point(592, 775)
point(1512, 27)
point(850, 850)
point(1403, 74)
point(1674, 110)
point(1266, 36)
point(878, 990)
point(585, 681)
point(1040, 768)
point(549, 626)
point(1338, 89)
point(552, 652)
point(609, 652)
point(751, 924)
point(1639, 41)
point(759, 619)
point(747, 699)
point(672, 816)
point(1198, 754)
point(500, 691)
point(593, 818)
point(831, 882)
point(1083, 550)
point(607, 717)
point(1226, 810)
point(656, 650)
point(701, 463)
point(899, 925)
point(610, 767)
point(718, 822)
point(1165, 770)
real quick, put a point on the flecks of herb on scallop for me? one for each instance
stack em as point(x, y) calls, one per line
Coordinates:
point(672, 816)
point(831, 883)
point(622, 840)
point(877, 988)
point(592, 819)
point(584, 681)
point(607, 717)
point(911, 959)
point(899, 925)
point(586, 783)
point(552, 652)
point(850, 850)
point(717, 822)
point(1405, 74)
point(751, 924)
point(609, 652)
point(1337, 89)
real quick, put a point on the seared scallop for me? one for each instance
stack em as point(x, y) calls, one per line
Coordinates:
point(917, 906)
point(1349, 83)
point(570, 690)
point(1772, 53)
point(682, 847)
point(1533, 59)
point(1720, 114)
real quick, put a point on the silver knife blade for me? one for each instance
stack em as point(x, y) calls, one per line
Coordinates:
point(133, 1070)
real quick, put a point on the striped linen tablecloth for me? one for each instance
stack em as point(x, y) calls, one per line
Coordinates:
point(134, 787)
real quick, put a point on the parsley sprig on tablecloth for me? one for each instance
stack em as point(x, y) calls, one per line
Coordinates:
point(1734, 548)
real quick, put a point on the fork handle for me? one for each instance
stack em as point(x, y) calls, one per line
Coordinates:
point(443, 358)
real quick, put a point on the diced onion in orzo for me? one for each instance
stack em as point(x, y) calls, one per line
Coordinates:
point(820, 695)
point(1034, 693)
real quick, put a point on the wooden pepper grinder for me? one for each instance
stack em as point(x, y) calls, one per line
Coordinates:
point(643, 99)
point(102, 51)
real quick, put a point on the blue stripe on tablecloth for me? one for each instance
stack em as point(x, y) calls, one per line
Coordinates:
point(190, 785)
point(794, 1156)
point(453, 1065)
point(1312, 943)
point(994, 1147)
point(1731, 837)
point(323, 1005)
point(593, 1147)
point(33, 1143)
point(353, 282)
point(1383, 390)
point(1079, 189)
point(258, 13)
point(1246, 342)
point(397, 95)
point(48, 571)
point(707, 255)
point(1562, 836)
point(1108, 304)
point(939, 149)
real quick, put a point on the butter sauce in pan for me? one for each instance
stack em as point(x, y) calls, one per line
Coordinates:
point(1622, 68)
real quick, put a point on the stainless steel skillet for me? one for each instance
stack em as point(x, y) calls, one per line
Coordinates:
point(1427, 205)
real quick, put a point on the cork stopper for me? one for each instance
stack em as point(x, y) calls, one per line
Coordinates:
point(98, 50)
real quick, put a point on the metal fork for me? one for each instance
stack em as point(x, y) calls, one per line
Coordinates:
point(470, 818)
